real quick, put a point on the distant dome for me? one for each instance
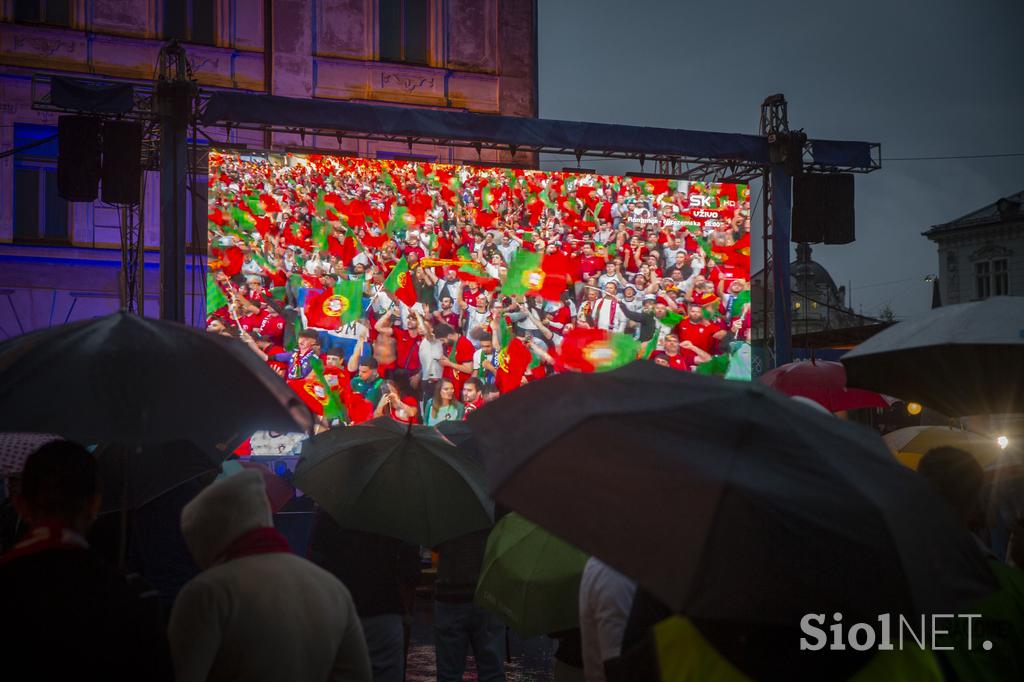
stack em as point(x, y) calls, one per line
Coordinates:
point(812, 279)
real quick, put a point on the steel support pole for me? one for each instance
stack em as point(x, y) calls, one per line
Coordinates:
point(174, 104)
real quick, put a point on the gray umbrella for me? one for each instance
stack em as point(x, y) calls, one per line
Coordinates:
point(959, 359)
point(725, 499)
point(135, 380)
point(399, 480)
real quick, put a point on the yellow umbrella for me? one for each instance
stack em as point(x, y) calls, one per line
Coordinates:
point(909, 444)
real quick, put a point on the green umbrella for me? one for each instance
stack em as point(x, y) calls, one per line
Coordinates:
point(394, 479)
point(530, 578)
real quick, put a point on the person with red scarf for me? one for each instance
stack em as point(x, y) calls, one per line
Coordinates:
point(66, 613)
point(257, 611)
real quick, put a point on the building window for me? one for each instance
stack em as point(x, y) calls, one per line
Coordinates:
point(403, 28)
point(189, 21)
point(53, 12)
point(40, 213)
point(982, 280)
point(992, 278)
point(1000, 278)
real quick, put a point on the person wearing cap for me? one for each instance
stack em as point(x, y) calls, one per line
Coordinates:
point(644, 320)
point(258, 611)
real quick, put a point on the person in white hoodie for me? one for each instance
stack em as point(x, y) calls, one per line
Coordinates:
point(257, 611)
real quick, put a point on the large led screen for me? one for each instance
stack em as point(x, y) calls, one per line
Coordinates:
point(422, 290)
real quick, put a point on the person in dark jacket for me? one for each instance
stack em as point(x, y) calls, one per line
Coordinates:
point(459, 624)
point(66, 614)
point(381, 574)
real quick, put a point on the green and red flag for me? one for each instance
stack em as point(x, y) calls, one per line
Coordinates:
point(543, 275)
point(320, 231)
point(671, 319)
point(486, 197)
point(400, 221)
point(254, 204)
point(399, 283)
point(716, 366)
point(596, 350)
point(215, 298)
point(471, 271)
point(513, 361)
point(332, 308)
point(741, 300)
point(332, 409)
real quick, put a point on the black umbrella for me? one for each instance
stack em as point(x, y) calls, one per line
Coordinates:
point(460, 434)
point(129, 379)
point(131, 476)
point(394, 479)
point(726, 499)
point(959, 359)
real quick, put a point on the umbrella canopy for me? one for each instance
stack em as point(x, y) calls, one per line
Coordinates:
point(459, 433)
point(129, 379)
point(131, 476)
point(530, 578)
point(822, 381)
point(725, 499)
point(16, 447)
point(909, 444)
point(394, 479)
point(959, 359)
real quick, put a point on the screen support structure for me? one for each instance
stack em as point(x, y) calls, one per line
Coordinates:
point(777, 189)
point(175, 90)
point(177, 163)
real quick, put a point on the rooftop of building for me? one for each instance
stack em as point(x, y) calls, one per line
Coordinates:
point(1002, 210)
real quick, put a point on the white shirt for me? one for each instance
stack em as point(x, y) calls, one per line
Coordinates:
point(507, 252)
point(475, 318)
point(430, 359)
point(606, 598)
point(454, 289)
point(608, 315)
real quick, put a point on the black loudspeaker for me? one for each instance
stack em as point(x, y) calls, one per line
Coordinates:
point(78, 157)
point(823, 209)
point(122, 162)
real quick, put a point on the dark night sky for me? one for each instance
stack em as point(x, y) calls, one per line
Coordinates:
point(924, 78)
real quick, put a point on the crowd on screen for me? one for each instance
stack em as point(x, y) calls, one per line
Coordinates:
point(653, 268)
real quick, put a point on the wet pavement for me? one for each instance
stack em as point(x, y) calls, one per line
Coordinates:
point(530, 660)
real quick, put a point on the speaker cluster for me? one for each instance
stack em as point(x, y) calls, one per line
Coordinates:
point(91, 151)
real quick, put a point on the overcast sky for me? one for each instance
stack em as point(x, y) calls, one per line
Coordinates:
point(923, 78)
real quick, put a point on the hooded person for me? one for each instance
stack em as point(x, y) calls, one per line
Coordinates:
point(257, 611)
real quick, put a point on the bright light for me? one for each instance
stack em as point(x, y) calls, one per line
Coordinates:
point(1002, 442)
point(914, 408)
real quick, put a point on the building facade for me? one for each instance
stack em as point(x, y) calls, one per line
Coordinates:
point(981, 254)
point(60, 261)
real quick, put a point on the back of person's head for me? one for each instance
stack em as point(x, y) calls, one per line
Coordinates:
point(222, 513)
point(957, 477)
point(60, 482)
point(443, 330)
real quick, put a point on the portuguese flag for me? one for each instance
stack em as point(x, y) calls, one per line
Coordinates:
point(718, 365)
point(317, 397)
point(332, 308)
point(332, 409)
point(533, 273)
point(399, 282)
point(215, 298)
point(597, 350)
point(513, 361)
